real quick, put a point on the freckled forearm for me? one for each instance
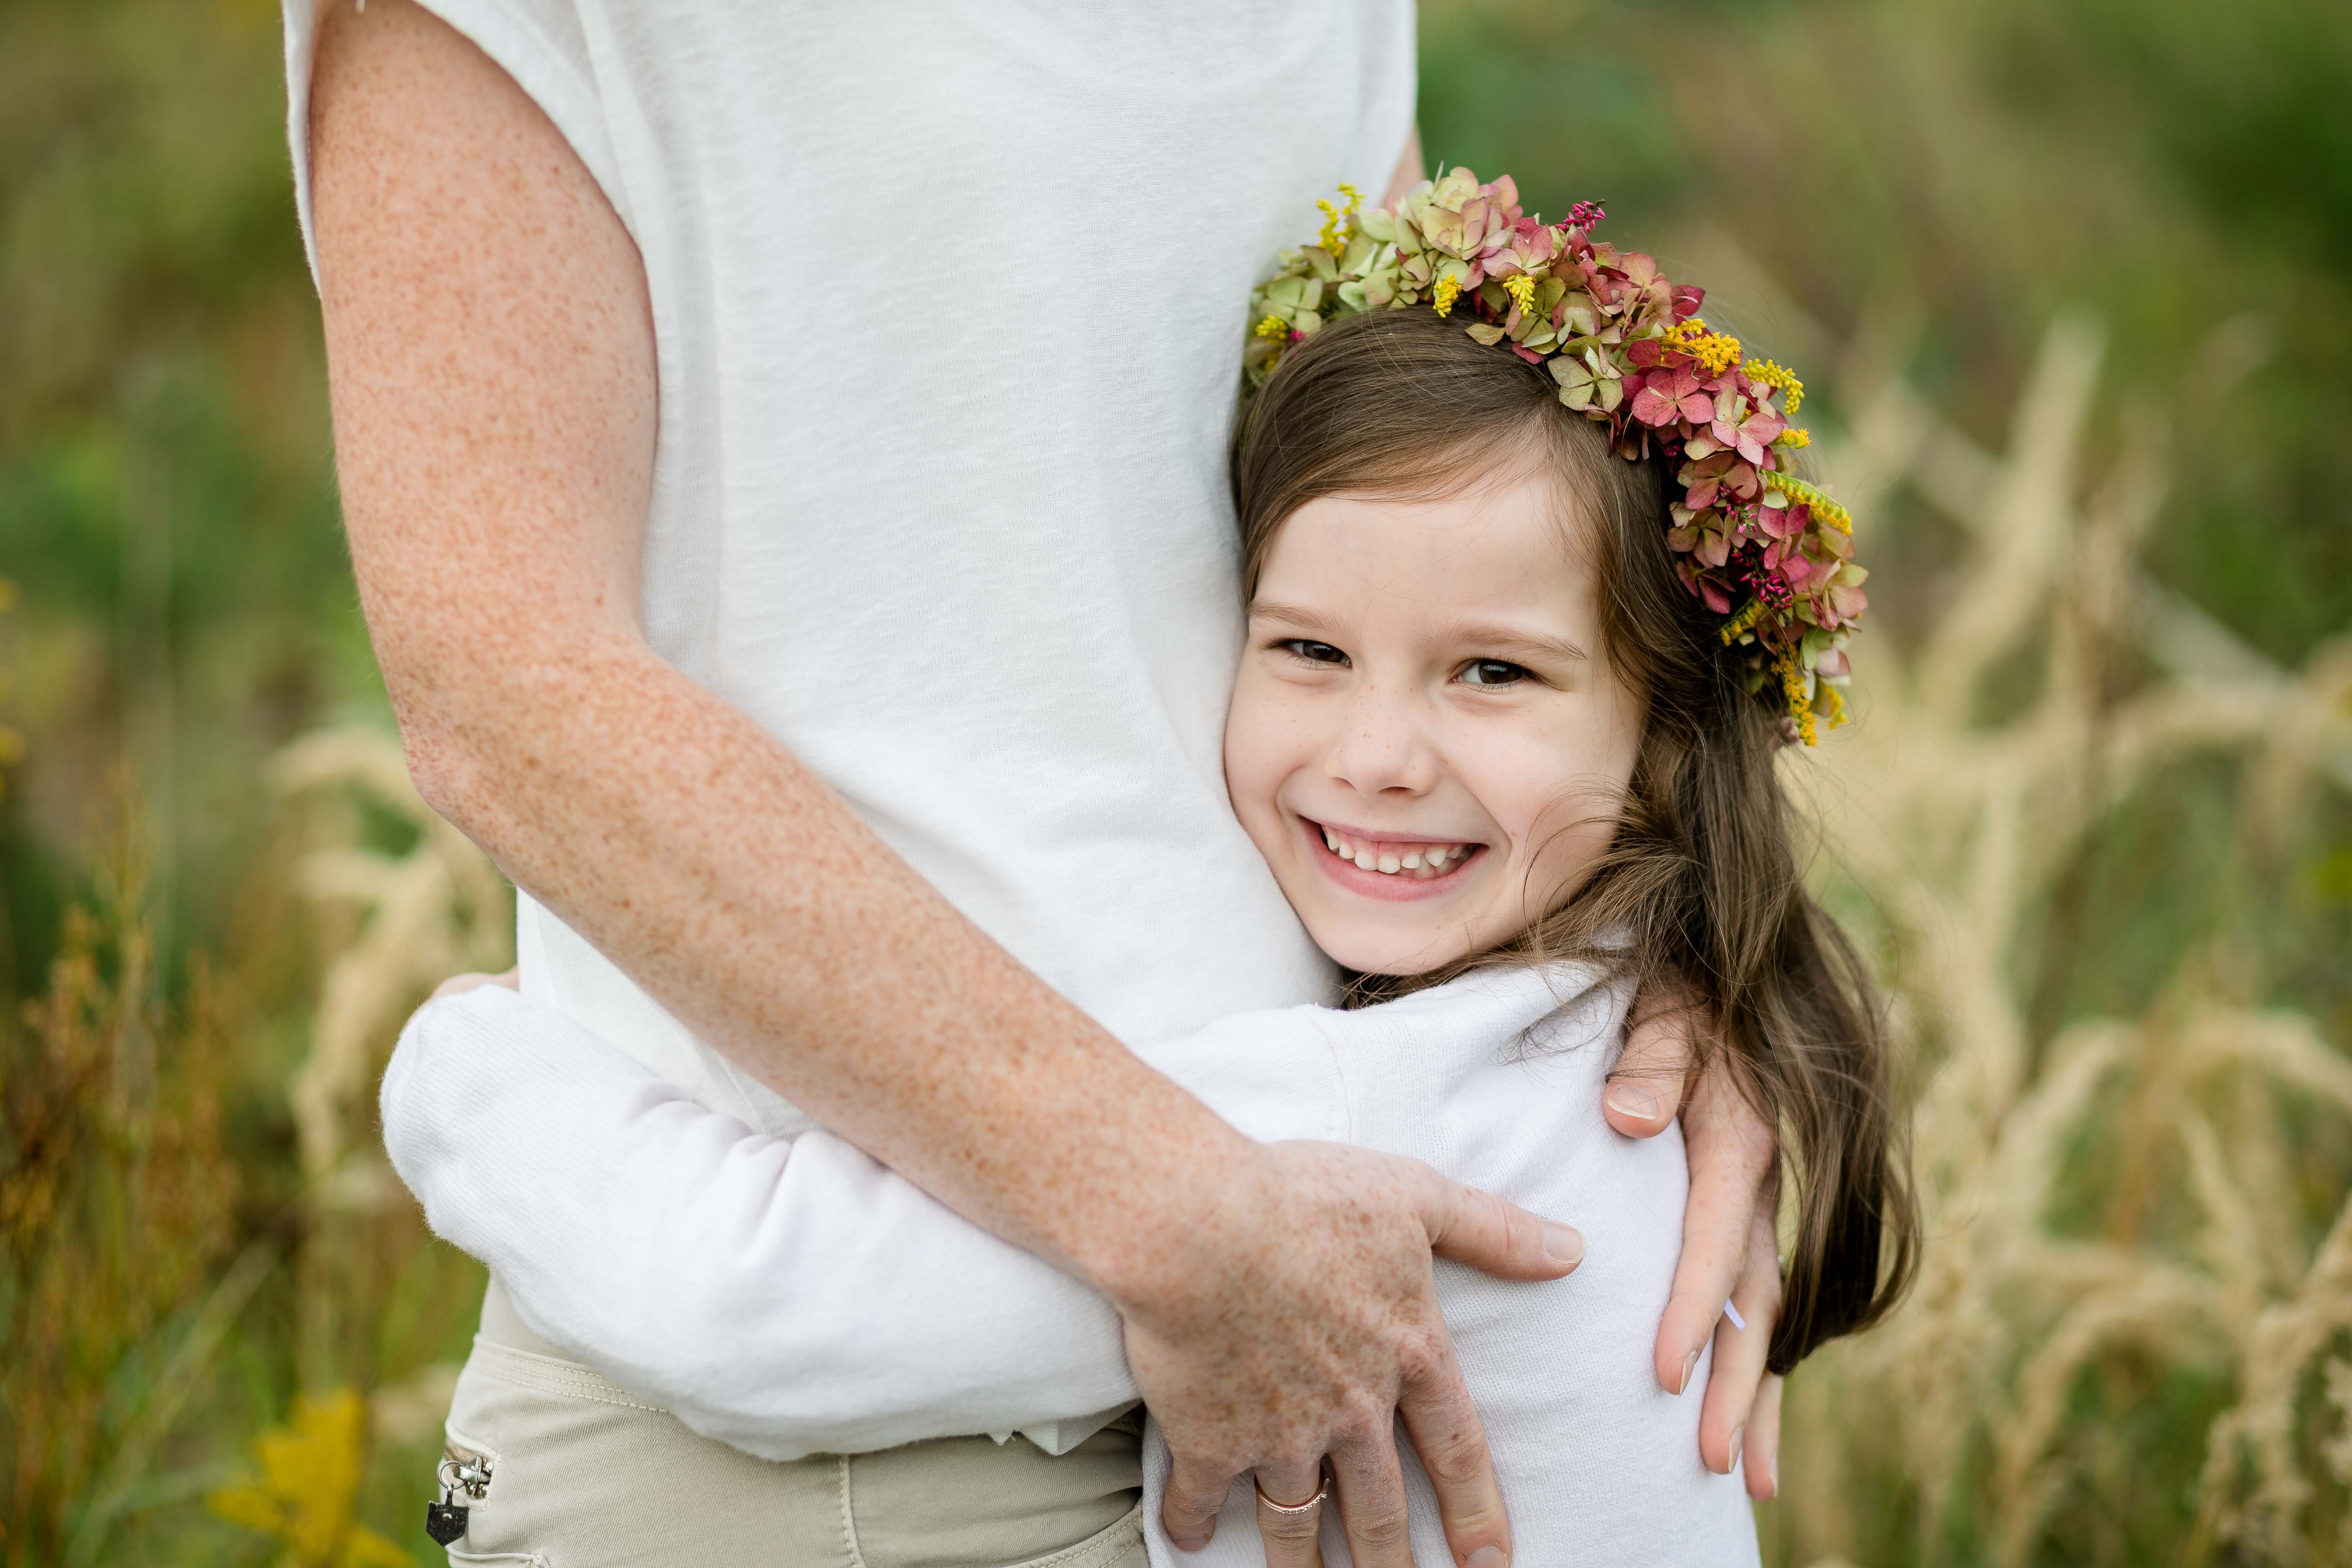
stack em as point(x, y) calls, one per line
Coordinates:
point(737, 888)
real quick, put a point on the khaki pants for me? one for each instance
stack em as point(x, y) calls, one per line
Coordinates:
point(584, 1475)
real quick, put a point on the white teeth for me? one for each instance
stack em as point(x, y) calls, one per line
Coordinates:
point(1423, 863)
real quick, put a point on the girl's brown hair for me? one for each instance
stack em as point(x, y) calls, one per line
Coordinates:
point(1701, 872)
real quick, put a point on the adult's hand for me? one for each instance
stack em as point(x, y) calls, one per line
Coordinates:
point(1304, 1323)
point(1728, 1249)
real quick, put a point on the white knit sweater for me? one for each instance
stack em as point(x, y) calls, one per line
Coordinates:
point(795, 1297)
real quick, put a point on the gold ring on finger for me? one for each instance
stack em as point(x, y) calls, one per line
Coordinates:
point(1294, 1509)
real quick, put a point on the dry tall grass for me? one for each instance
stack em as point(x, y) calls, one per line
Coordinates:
point(151, 1264)
point(2114, 1206)
point(116, 1199)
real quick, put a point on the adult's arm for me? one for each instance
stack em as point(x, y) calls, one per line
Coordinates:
point(492, 370)
point(788, 1297)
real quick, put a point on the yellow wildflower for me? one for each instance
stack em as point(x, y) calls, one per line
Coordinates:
point(1832, 704)
point(1800, 705)
point(1449, 288)
point(310, 1479)
point(1522, 290)
point(1737, 628)
point(1793, 438)
point(1273, 327)
point(1772, 374)
point(1339, 222)
point(1713, 350)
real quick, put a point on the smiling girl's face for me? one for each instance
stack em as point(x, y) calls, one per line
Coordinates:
point(1427, 740)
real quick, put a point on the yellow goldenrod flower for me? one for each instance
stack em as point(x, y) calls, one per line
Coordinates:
point(1339, 222)
point(1794, 438)
point(1738, 626)
point(1792, 687)
point(1832, 704)
point(1772, 374)
point(1273, 327)
point(1713, 350)
point(1522, 290)
point(1449, 288)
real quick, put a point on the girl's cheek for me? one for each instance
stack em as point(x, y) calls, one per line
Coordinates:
point(1253, 766)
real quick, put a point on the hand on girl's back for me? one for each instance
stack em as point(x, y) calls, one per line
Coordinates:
point(1311, 1296)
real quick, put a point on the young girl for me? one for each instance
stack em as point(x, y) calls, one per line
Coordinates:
point(1533, 601)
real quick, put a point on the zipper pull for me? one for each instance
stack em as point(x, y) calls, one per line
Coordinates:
point(444, 1521)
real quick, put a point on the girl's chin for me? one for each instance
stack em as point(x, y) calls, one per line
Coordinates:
point(1387, 951)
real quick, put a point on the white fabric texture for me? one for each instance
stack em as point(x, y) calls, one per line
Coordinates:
point(792, 1297)
point(949, 304)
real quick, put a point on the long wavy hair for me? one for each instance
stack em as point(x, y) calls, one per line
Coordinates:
point(1701, 871)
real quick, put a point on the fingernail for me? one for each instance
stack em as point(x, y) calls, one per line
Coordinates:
point(1689, 1361)
point(1486, 1557)
point(1632, 1099)
point(1562, 1243)
point(1189, 1542)
point(1732, 1466)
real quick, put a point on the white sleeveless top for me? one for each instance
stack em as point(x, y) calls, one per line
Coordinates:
point(949, 300)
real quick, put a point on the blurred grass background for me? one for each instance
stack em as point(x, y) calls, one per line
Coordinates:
point(2071, 284)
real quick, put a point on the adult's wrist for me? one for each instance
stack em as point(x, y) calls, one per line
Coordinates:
point(1167, 1245)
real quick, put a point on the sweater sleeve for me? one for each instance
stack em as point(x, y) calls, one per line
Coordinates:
point(788, 1297)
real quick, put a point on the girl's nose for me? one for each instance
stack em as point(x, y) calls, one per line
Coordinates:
point(1380, 747)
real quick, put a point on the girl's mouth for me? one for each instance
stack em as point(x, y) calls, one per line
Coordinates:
point(1387, 866)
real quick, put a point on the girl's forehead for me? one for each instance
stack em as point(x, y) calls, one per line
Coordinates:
point(1504, 540)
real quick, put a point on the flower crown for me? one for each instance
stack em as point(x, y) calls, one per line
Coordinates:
point(1767, 551)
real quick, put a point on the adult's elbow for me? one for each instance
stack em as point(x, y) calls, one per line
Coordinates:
point(493, 717)
point(455, 755)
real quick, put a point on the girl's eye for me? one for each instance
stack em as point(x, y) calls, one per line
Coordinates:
point(1491, 672)
point(1313, 652)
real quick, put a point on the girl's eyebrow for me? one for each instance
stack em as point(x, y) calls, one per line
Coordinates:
point(1511, 639)
point(1291, 615)
point(1477, 634)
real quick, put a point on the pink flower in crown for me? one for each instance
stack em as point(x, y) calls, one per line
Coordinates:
point(1718, 475)
point(1525, 246)
point(1671, 393)
point(1756, 434)
point(1783, 521)
point(1605, 279)
point(1737, 423)
point(1645, 284)
point(1701, 479)
point(1788, 557)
